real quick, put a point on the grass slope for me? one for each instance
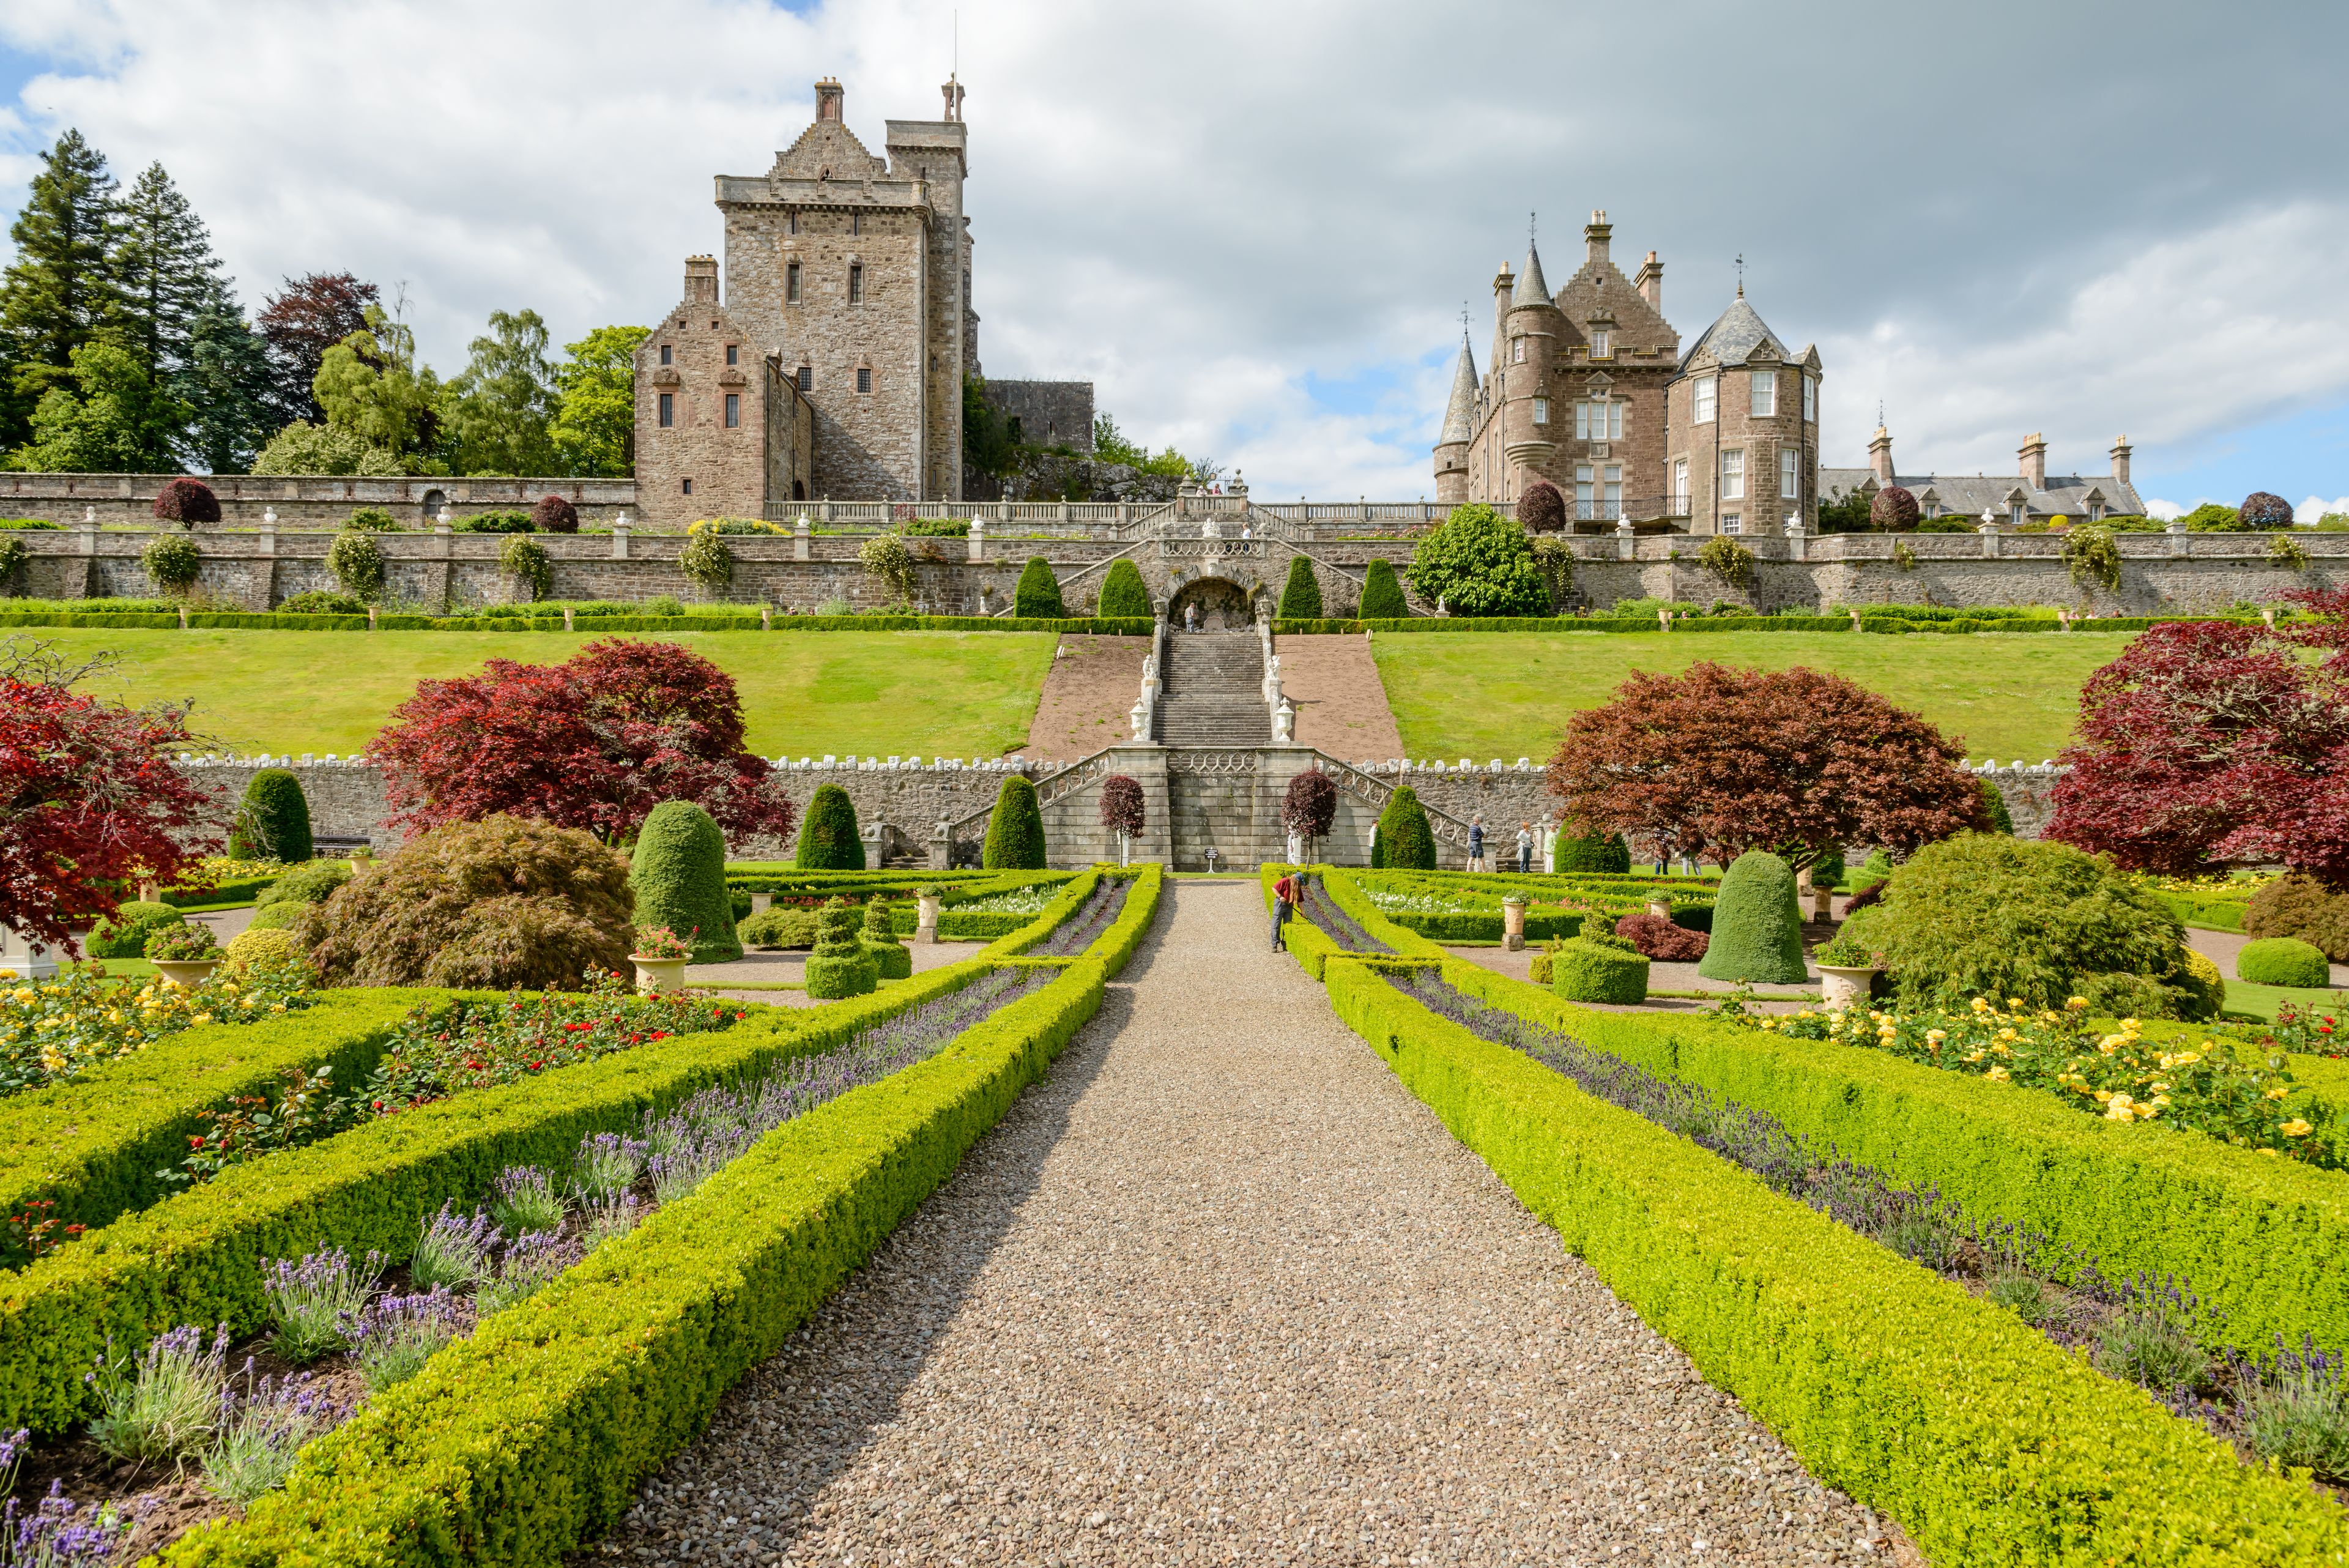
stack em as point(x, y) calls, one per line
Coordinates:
point(938, 693)
point(1482, 695)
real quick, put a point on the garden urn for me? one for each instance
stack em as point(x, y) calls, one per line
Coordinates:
point(658, 976)
point(761, 902)
point(186, 973)
point(1823, 903)
point(1513, 922)
point(925, 919)
point(1660, 907)
point(1845, 986)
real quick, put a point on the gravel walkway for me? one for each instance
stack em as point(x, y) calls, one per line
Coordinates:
point(1220, 1290)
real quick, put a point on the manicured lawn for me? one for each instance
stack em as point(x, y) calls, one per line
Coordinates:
point(2243, 996)
point(881, 694)
point(1509, 695)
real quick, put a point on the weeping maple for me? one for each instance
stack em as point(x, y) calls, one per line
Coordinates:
point(595, 744)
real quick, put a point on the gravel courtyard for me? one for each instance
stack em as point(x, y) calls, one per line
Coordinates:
point(1220, 1290)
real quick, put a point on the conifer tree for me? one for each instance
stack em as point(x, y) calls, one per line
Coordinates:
point(226, 385)
point(166, 272)
point(60, 290)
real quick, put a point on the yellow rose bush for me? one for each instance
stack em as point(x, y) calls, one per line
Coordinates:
point(57, 1029)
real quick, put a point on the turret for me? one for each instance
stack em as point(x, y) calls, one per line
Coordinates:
point(1528, 428)
point(1459, 427)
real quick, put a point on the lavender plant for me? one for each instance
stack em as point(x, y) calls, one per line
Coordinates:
point(606, 1166)
point(260, 1430)
point(1086, 923)
point(526, 1201)
point(54, 1532)
point(454, 1252)
point(1336, 924)
point(2299, 1416)
point(164, 1404)
point(309, 1299)
point(527, 1267)
point(393, 1338)
point(601, 1221)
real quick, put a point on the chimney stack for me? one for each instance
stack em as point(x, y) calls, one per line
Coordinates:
point(829, 99)
point(2120, 460)
point(701, 279)
point(1879, 456)
point(1595, 236)
point(2033, 454)
point(1651, 283)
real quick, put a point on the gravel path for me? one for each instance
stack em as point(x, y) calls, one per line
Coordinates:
point(1220, 1290)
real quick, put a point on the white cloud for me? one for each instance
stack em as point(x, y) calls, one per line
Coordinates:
point(2165, 510)
point(2316, 507)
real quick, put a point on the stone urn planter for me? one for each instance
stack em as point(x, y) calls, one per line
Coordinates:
point(1845, 986)
point(1513, 922)
point(761, 902)
point(1660, 907)
point(925, 919)
point(186, 973)
point(658, 975)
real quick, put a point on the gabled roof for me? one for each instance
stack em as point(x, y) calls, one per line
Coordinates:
point(1530, 289)
point(828, 147)
point(1460, 415)
point(1972, 494)
point(1734, 336)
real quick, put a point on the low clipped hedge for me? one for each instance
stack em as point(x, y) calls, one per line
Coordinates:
point(232, 620)
point(234, 890)
point(96, 1147)
point(1584, 972)
point(1987, 1442)
point(530, 1437)
point(1485, 926)
point(2283, 960)
point(2210, 912)
point(1887, 626)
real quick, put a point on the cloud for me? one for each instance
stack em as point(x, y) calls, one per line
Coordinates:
point(2316, 508)
point(2165, 510)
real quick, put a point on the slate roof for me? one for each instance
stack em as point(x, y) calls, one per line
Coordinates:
point(1970, 494)
point(1530, 288)
point(1460, 415)
point(1737, 333)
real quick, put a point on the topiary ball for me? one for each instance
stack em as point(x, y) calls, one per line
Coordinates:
point(2298, 905)
point(678, 873)
point(282, 916)
point(2262, 510)
point(272, 822)
point(1582, 971)
point(1894, 510)
point(2283, 961)
point(552, 515)
point(1015, 830)
point(1541, 508)
point(266, 948)
point(1382, 595)
point(125, 935)
point(187, 501)
point(1757, 926)
point(828, 836)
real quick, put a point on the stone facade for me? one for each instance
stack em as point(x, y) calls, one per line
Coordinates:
point(720, 430)
point(2030, 494)
point(1048, 413)
point(1744, 411)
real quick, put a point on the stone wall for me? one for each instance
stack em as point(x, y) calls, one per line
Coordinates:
point(1051, 413)
point(128, 500)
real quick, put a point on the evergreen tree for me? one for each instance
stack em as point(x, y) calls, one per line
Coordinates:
point(1382, 595)
point(227, 386)
point(1300, 597)
point(59, 292)
point(166, 273)
point(594, 430)
point(504, 402)
point(309, 315)
point(1123, 593)
point(1038, 595)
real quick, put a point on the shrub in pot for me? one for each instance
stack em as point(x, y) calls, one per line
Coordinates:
point(1757, 928)
point(840, 965)
point(183, 943)
point(2283, 961)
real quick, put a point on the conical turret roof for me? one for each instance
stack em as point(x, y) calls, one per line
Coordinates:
point(1735, 335)
point(1531, 288)
point(1460, 415)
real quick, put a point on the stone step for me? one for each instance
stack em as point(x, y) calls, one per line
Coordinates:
point(1213, 691)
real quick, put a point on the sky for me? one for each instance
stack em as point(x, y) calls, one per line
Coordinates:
point(1253, 226)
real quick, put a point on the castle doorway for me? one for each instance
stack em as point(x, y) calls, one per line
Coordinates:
point(1223, 604)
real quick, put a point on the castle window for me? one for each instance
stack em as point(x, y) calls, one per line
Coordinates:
point(1733, 475)
point(1701, 397)
point(791, 223)
point(689, 488)
point(667, 409)
point(1679, 487)
point(667, 356)
point(1765, 393)
point(855, 282)
point(1602, 343)
point(863, 378)
point(1598, 421)
point(807, 378)
point(1790, 477)
point(1732, 523)
point(1516, 350)
point(1541, 410)
point(792, 284)
point(1810, 401)
point(855, 222)
point(733, 410)
point(733, 354)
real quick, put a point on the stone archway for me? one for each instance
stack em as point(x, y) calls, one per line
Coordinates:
point(1223, 604)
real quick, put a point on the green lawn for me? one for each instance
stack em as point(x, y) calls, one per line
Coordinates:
point(880, 693)
point(1509, 695)
point(2244, 996)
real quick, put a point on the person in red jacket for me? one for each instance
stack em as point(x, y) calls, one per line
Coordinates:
point(1287, 895)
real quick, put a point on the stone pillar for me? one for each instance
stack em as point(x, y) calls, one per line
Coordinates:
point(942, 847)
point(265, 574)
point(975, 549)
point(1627, 544)
point(1145, 764)
point(620, 537)
point(800, 537)
point(1513, 922)
point(444, 551)
point(2178, 536)
point(1797, 541)
point(24, 958)
point(1989, 532)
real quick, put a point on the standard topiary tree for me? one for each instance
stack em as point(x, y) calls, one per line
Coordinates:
point(2262, 511)
point(828, 838)
point(1541, 508)
point(1300, 597)
point(1014, 833)
point(881, 941)
point(357, 561)
point(273, 821)
point(2283, 961)
point(1583, 971)
point(1309, 808)
point(1894, 510)
point(1124, 812)
point(678, 875)
point(1038, 596)
point(187, 501)
point(1123, 596)
point(840, 965)
point(552, 515)
point(1758, 929)
point(1382, 595)
point(173, 563)
point(1404, 841)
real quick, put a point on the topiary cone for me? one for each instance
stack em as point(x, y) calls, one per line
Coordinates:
point(272, 822)
point(840, 965)
point(1757, 928)
point(1014, 833)
point(1382, 595)
point(1300, 598)
point(829, 840)
point(1037, 596)
point(1404, 841)
point(678, 873)
point(1123, 594)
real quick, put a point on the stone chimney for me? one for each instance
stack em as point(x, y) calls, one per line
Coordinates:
point(701, 279)
point(2033, 454)
point(1879, 456)
point(1595, 236)
point(2120, 460)
point(829, 99)
point(1651, 283)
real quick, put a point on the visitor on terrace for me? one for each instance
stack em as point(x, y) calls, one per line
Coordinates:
point(1525, 849)
point(1477, 842)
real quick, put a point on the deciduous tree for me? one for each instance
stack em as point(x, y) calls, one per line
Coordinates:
point(595, 744)
point(89, 797)
point(595, 429)
point(371, 384)
point(115, 419)
point(299, 323)
point(1481, 563)
point(501, 406)
point(1720, 760)
point(1309, 807)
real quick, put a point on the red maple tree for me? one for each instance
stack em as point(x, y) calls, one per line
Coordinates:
point(1310, 807)
point(2209, 742)
point(594, 742)
point(89, 797)
point(1719, 760)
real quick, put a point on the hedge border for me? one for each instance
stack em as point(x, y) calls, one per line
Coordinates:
point(1635, 626)
point(531, 1438)
point(232, 620)
point(1988, 1442)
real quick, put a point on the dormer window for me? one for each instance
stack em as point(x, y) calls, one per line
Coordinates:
point(1602, 343)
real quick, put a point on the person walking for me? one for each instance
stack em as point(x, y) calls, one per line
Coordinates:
point(1191, 616)
point(1477, 842)
point(1549, 843)
point(1525, 849)
point(1287, 894)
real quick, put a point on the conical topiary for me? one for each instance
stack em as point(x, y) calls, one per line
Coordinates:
point(1014, 833)
point(881, 941)
point(1123, 594)
point(678, 873)
point(273, 821)
point(1377, 849)
point(1405, 841)
point(1597, 852)
point(1038, 596)
point(1382, 595)
point(1758, 929)
point(840, 965)
point(1301, 599)
point(1995, 801)
point(828, 838)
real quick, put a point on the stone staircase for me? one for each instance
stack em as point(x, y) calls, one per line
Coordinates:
point(1213, 691)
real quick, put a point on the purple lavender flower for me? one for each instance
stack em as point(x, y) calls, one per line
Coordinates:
point(396, 1337)
point(454, 1251)
point(309, 1299)
point(606, 1166)
point(54, 1533)
point(262, 1429)
point(165, 1403)
point(529, 1266)
point(526, 1201)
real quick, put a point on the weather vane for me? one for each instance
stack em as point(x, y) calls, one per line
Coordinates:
point(1741, 274)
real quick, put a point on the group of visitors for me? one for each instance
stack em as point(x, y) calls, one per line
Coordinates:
point(1529, 840)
